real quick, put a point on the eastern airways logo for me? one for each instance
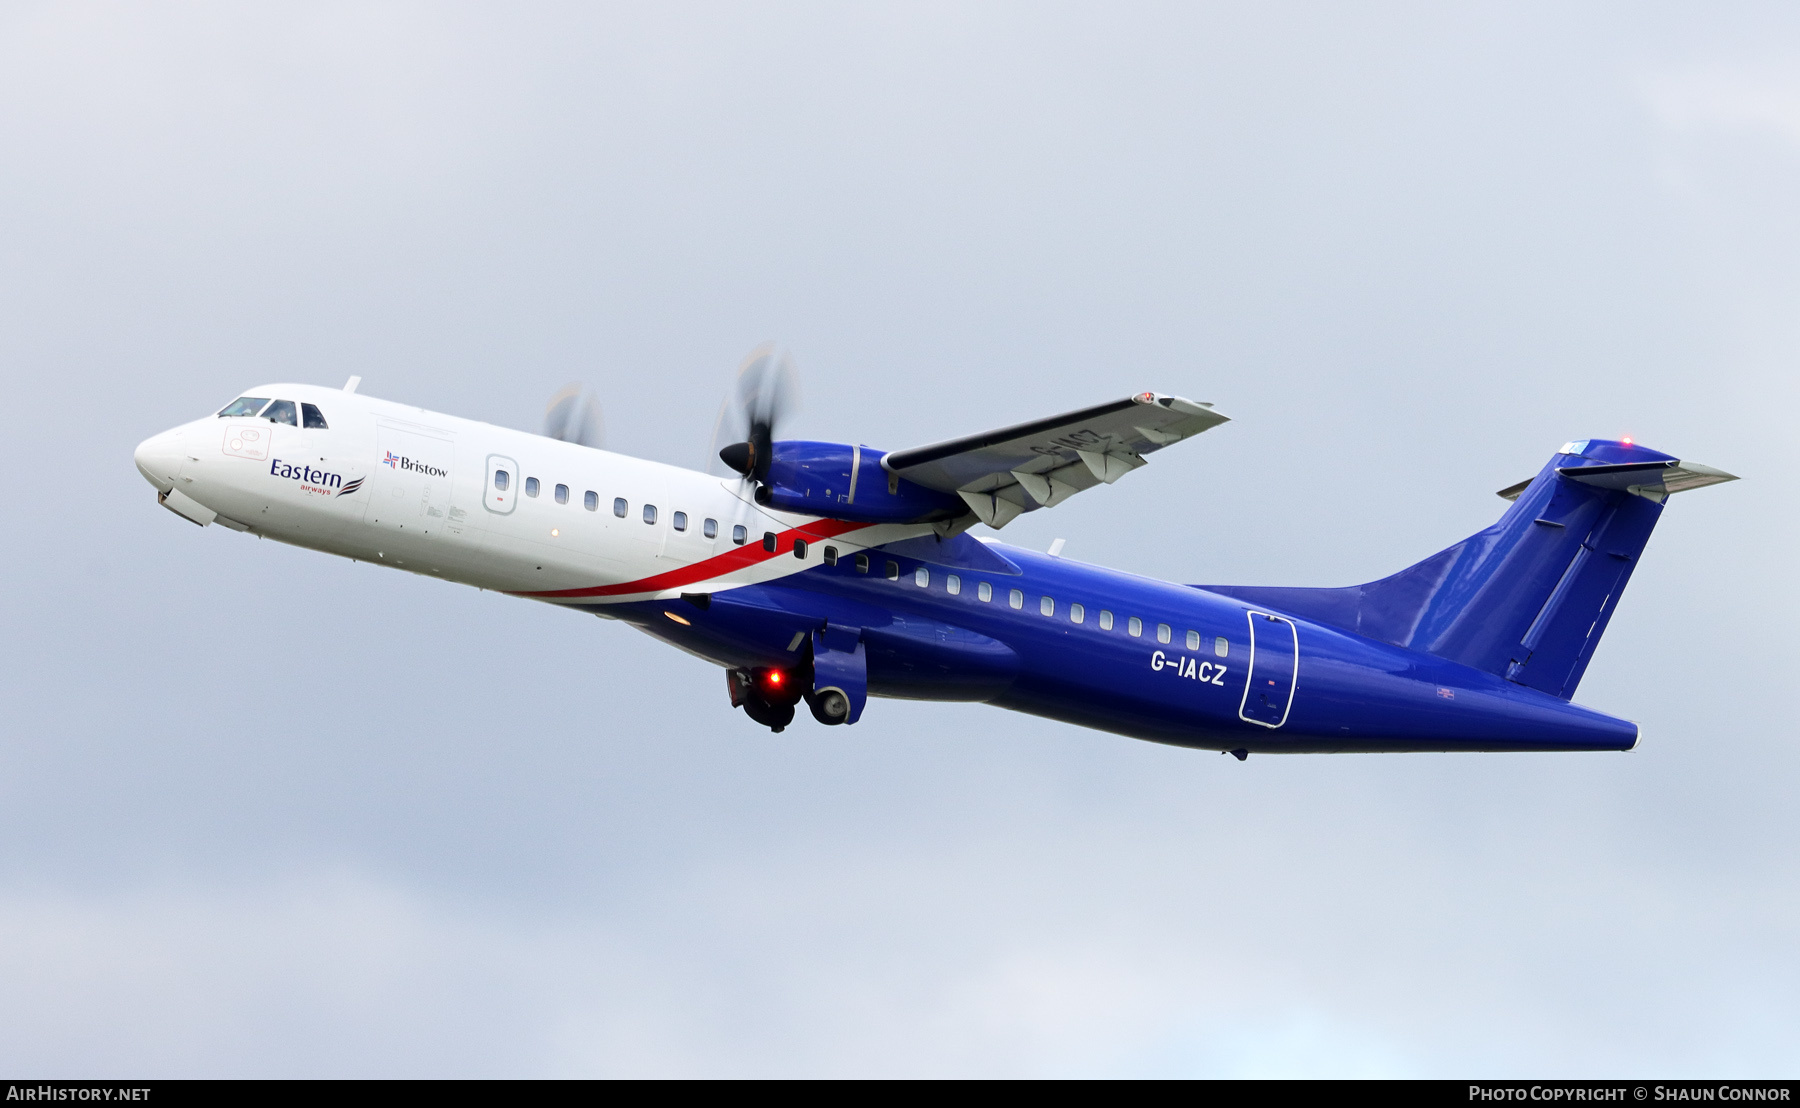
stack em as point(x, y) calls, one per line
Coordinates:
point(313, 480)
point(398, 462)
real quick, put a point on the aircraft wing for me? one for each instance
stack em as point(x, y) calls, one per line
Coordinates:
point(1042, 463)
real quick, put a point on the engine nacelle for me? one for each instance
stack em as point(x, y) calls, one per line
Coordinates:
point(847, 482)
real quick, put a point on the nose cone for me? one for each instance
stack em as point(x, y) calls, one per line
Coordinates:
point(159, 459)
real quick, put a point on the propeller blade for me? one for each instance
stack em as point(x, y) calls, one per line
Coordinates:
point(574, 416)
point(767, 392)
point(725, 432)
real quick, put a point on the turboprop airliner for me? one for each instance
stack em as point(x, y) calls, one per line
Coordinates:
point(829, 573)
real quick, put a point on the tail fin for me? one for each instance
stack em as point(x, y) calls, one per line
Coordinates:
point(1529, 597)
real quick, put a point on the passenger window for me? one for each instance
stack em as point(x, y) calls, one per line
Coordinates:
point(1046, 606)
point(312, 418)
point(1105, 620)
point(531, 486)
point(985, 591)
point(1193, 640)
point(1077, 614)
point(649, 513)
point(502, 479)
point(562, 494)
point(953, 584)
point(800, 549)
point(862, 563)
point(739, 535)
point(710, 528)
point(680, 521)
point(244, 406)
point(1016, 598)
point(1221, 647)
point(620, 507)
point(769, 541)
point(1163, 634)
point(893, 571)
point(590, 500)
point(831, 555)
point(922, 577)
point(282, 411)
point(1134, 627)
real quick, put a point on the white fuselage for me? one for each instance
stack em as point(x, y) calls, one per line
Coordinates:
point(470, 502)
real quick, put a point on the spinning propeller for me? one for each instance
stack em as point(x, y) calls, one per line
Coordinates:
point(767, 392)
point(574, 416)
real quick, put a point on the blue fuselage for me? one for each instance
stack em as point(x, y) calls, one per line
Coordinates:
point(1118, 652)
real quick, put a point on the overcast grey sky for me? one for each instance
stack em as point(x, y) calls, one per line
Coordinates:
point(266, 812)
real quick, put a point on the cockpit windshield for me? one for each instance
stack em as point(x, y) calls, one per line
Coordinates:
point(282, 411)
point(244, 406)
point(313, 418)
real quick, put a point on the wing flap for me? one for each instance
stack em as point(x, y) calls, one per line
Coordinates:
point(1004, 473)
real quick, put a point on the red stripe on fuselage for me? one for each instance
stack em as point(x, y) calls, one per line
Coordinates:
point(716, 566)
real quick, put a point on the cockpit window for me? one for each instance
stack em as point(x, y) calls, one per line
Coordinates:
point(244, 406)
point(282, 411)
point(312, 418)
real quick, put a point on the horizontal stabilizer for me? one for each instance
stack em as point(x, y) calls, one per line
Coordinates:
point(1003, 473)
point(1655, 479)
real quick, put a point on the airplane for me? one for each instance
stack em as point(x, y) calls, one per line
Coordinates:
point(828, 573)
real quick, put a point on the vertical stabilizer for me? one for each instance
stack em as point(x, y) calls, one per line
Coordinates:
point(1529, 597)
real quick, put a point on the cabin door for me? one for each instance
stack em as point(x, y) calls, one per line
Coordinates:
point(1274, 670)
point(411, 483)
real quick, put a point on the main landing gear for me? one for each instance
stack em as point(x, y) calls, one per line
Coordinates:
point(769, 697)
point(829, 706)
point(832, 678)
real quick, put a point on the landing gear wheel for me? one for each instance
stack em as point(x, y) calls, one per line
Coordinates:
point(829, 706)
point(775, 717)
